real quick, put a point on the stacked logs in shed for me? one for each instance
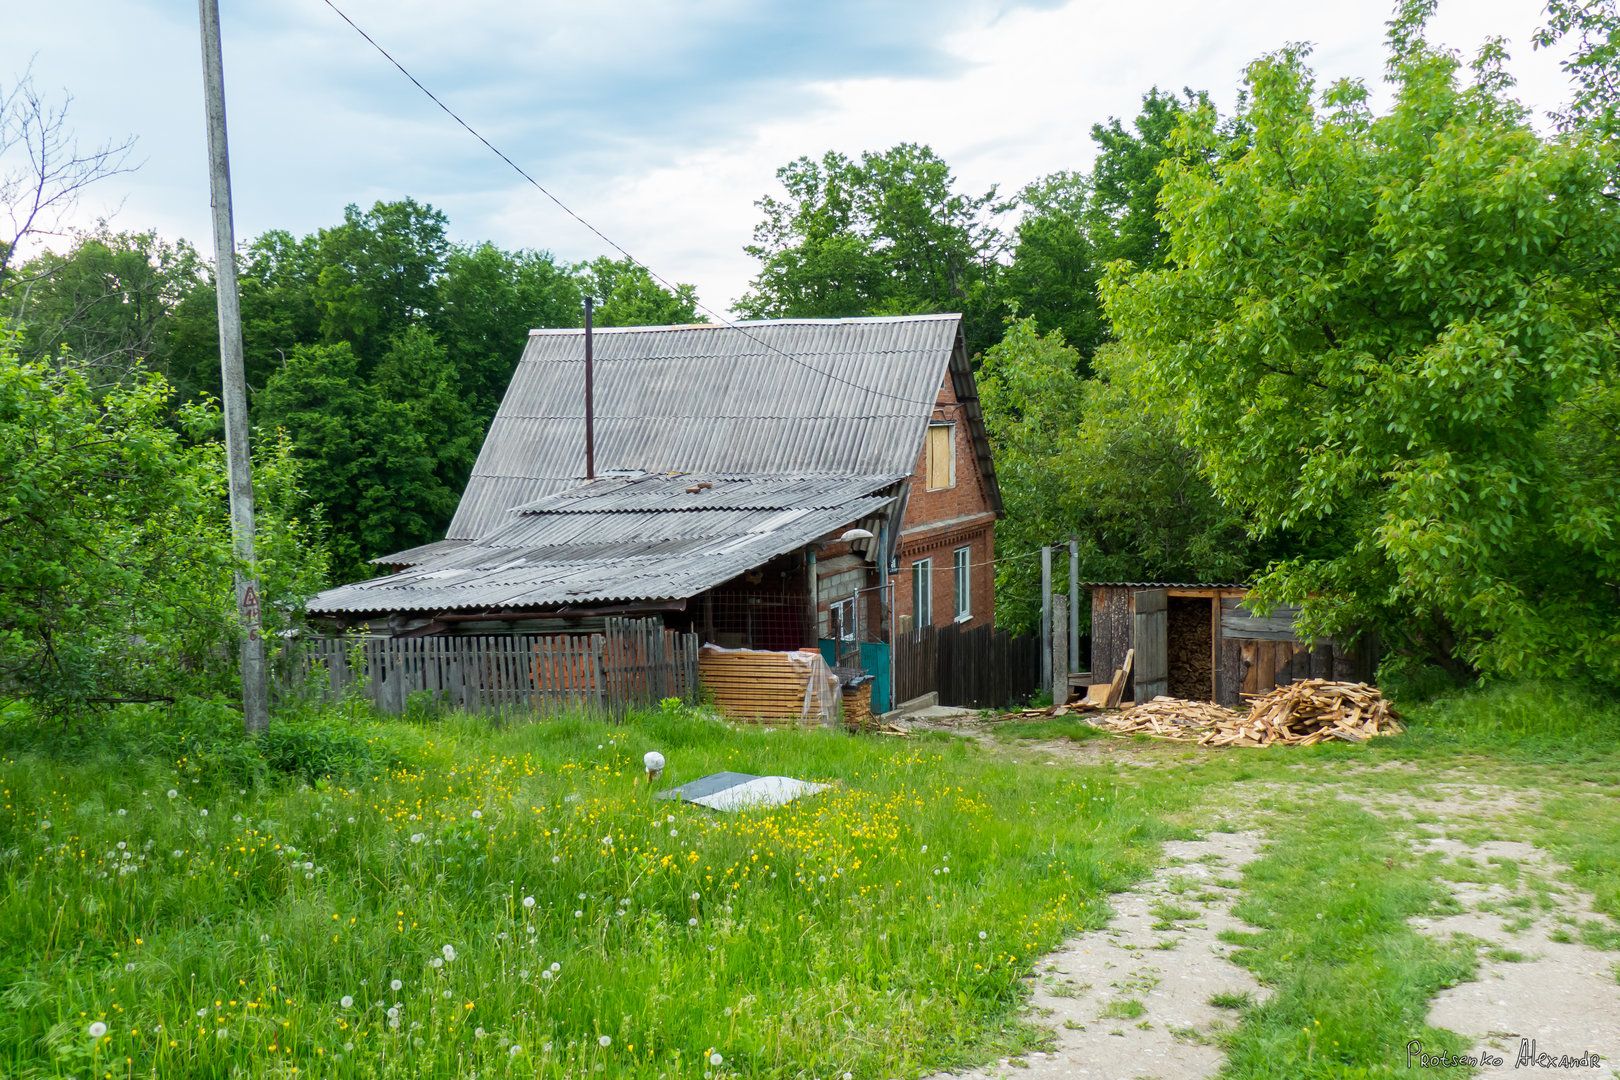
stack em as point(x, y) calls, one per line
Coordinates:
point(1191, 637)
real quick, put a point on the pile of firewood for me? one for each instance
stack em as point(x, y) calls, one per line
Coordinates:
point(1170, 718)
point(1298, 714)
point(1073, 708)
point(1311, 711)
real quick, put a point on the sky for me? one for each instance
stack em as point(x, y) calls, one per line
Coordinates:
point(660, 123)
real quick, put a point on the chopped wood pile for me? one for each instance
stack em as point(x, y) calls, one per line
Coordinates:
point(1073, 708)
point(1311, 710)
point(858, 707)
point(1297, 714)
point(1171, 718)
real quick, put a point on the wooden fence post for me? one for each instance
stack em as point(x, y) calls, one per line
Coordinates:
point(1060, 650)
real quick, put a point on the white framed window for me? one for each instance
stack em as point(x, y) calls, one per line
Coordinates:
point(963, 566)
point(842, 620)
point(941, 456)
point(922, 593)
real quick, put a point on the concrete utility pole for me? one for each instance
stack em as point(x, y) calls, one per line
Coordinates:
point(1074, 604)
point(233, 380)
point(1046, 615)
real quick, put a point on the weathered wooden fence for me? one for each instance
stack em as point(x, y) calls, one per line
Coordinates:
point(634, 662)
point(978, 668)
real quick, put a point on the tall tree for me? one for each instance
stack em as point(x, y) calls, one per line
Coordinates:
point(1089, 458)
point(1402, 327)
point(379, 273)
point(887, 234)
point(376, 463)
point(489, 300)
point(109, 301)
point(628, 295)
point(1075, 224)
point(1055, 267)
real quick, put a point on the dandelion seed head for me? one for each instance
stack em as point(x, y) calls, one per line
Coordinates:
point(528, 901)
point(605, 1041)
point(395, 985)
point(97, 1030)
point(346, 1000)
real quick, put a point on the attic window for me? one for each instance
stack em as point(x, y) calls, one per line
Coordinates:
point(941, 456)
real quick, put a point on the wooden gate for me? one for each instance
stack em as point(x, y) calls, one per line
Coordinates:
point(978, 668)
point(1152, 637)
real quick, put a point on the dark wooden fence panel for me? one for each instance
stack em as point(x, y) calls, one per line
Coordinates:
point(980, 668)
point(634, 663)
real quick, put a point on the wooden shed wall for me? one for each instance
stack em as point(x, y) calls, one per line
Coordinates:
point(1253, 653)
point(1111, 631)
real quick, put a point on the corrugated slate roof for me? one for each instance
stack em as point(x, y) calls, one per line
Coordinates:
point(623, 539)
point(712, 400)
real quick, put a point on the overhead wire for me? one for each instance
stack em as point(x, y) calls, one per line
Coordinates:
point(721, 319)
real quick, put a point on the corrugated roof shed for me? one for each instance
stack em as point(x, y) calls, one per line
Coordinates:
point(713, 400)
point(624, 539)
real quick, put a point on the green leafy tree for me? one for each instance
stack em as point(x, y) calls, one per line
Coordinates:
point(627, 295)
point(109, 301)
point(1055, 267)
point(379, 457)
point(1400, 329)
point(379, 273)
point(888, 234)
point(1089, 458)
point(115, 553)
point(1075, 224)
point(489, 299)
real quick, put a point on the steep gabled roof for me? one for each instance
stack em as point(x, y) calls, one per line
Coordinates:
point(624, 538)
point(853, 400)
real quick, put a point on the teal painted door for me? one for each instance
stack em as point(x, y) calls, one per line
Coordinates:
point(875, 661)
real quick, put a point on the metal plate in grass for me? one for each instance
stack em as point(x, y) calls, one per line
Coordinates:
point(729, 792)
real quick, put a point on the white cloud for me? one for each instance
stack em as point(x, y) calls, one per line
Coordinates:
point(661, 124)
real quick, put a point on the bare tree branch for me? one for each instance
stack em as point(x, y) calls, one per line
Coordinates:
point(43, 171)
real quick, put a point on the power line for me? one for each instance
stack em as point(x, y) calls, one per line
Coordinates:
point(452, 114)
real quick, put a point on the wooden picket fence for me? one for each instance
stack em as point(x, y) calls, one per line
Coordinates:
point(634, 662)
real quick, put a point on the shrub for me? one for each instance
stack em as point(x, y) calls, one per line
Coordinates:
point(317, 749)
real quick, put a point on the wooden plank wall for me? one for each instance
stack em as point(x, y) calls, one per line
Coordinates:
point(979, 668)
point(1151, 668)
point(1112, 632)
point(636, 662)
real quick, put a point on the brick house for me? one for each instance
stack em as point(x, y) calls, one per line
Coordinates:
point(780, 485)
point(948, 534)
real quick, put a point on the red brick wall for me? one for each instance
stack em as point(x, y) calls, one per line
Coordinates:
point(964, 518)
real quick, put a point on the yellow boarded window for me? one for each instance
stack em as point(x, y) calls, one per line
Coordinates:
point(941, 456)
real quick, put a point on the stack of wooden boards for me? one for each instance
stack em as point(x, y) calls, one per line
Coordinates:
point(770, 687)
point(1297, 714)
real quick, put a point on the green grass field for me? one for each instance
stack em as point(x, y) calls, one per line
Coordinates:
point(464, 898)
point(514, 902)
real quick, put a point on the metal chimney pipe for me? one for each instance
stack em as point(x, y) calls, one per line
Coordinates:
point(590, 396)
